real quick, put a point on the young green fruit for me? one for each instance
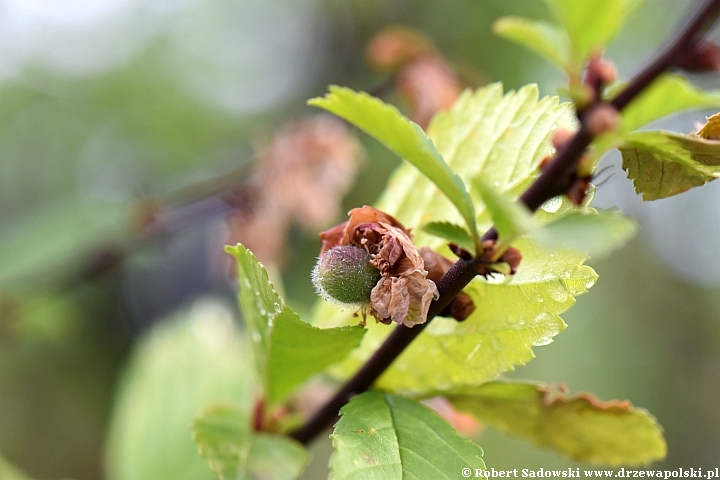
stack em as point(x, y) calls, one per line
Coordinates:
point(344, 274)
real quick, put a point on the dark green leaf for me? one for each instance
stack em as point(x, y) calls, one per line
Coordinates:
point(287, 350)
point(234, 452)
point(386, 437)
point(405, 138)
point(299, 350)
point(662, 164)
point(581, 427)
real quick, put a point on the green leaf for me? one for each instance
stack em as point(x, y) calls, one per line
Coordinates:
point(580, 427)
point(486, 135)
point(234, 452)
point(548, 40)
point(451, 232)
point(300, 350)
point(668, 94)
point(9, 472)
point(501, 139)
point(511, 219)
point(57, 239)
point(511, 317)
point(591, 24)
point(386, 437)
point(287, 350)
point(596, 234)
point(177, 367)
point(662, 164)
point(405, 138)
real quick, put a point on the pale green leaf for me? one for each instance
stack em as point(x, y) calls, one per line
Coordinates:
point(486, 135)
point(405, 138)
point(511, 317)
point(596, 234)
point(580, 427)
point(287, 350)
point(451, 232)
point(233, 452)
point(176, 368)
point(511, 219)
point(669, 93)
point(662, 164)
point(501, 139)
point(591, 24)
point(548, 40)
point(386, 437)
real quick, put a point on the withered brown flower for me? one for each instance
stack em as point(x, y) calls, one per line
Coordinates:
point(404, 292)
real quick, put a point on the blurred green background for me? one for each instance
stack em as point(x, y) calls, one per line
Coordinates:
point(117, 116)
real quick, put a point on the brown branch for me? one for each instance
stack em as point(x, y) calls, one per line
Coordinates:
point(555, 180)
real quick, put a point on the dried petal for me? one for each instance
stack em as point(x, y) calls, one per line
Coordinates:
point(403, 299)
point(462, 305)
point(404, 292)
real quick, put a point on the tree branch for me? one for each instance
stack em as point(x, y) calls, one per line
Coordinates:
point(554, 180)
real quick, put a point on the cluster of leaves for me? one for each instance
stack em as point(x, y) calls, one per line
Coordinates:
point(464, 174)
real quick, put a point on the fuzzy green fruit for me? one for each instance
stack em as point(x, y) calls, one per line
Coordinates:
point(345, 275)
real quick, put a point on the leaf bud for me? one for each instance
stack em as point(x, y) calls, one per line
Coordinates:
point(345, 275)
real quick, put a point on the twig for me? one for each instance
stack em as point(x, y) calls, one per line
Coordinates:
point(555, 180)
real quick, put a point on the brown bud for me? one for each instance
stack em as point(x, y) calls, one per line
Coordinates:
point(512, 257)
point(561, 137)
point(578, 190)
point(606, 71)
point(601, 118)
point(600, 71)
point(705, 57)
point(460, 308)
point(545, 162)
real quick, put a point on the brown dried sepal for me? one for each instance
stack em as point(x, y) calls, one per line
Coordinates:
point(579, 189)
point(487, 265)
point(404, 292)
point(462, 306)
point(512, 257)
point(705, 57)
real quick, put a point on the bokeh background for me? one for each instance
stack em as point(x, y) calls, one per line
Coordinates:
point(129, 135)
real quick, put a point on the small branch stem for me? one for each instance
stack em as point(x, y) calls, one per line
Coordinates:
point(449, 286)
point(555, 180)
